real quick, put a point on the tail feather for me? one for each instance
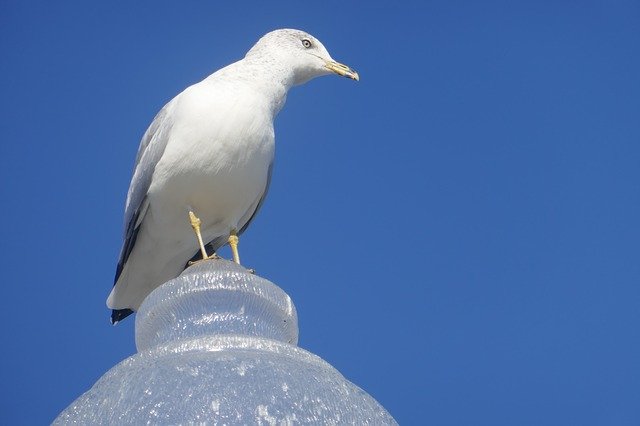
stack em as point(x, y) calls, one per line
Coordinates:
point(118, 315)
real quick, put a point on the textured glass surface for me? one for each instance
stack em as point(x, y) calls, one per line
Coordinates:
point(214, 349)
point(216, 297)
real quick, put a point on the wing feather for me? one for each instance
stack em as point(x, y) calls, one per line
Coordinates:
point(262, 198)
point(152, 146)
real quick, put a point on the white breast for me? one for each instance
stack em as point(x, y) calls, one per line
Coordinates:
point(217, 159)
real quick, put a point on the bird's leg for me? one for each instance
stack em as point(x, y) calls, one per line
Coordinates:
point(233, 243)
point(195, 224)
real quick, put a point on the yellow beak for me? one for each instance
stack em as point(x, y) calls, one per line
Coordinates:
point(342, 70)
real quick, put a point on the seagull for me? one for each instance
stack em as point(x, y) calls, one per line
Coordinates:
point(204, 164)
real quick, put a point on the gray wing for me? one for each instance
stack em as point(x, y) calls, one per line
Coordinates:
point(262, 198)
point(151, 148)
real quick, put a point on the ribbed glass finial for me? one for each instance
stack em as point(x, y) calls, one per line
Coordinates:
point(217, 346)
point(217, 298)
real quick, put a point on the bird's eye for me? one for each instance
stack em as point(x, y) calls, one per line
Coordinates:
point(306, 43)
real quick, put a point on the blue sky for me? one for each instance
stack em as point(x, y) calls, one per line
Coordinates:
point(459, 230)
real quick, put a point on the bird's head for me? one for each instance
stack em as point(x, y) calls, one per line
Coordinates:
point(302, 53)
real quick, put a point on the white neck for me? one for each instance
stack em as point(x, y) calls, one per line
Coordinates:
point(268, 77)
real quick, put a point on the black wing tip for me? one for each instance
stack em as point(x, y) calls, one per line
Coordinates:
point(118, 315)
point(119, 269)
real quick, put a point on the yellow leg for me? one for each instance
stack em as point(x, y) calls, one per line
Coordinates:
point(233, 242)
point(195, 224)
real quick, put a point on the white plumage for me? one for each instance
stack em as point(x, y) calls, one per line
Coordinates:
point(210, 151)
